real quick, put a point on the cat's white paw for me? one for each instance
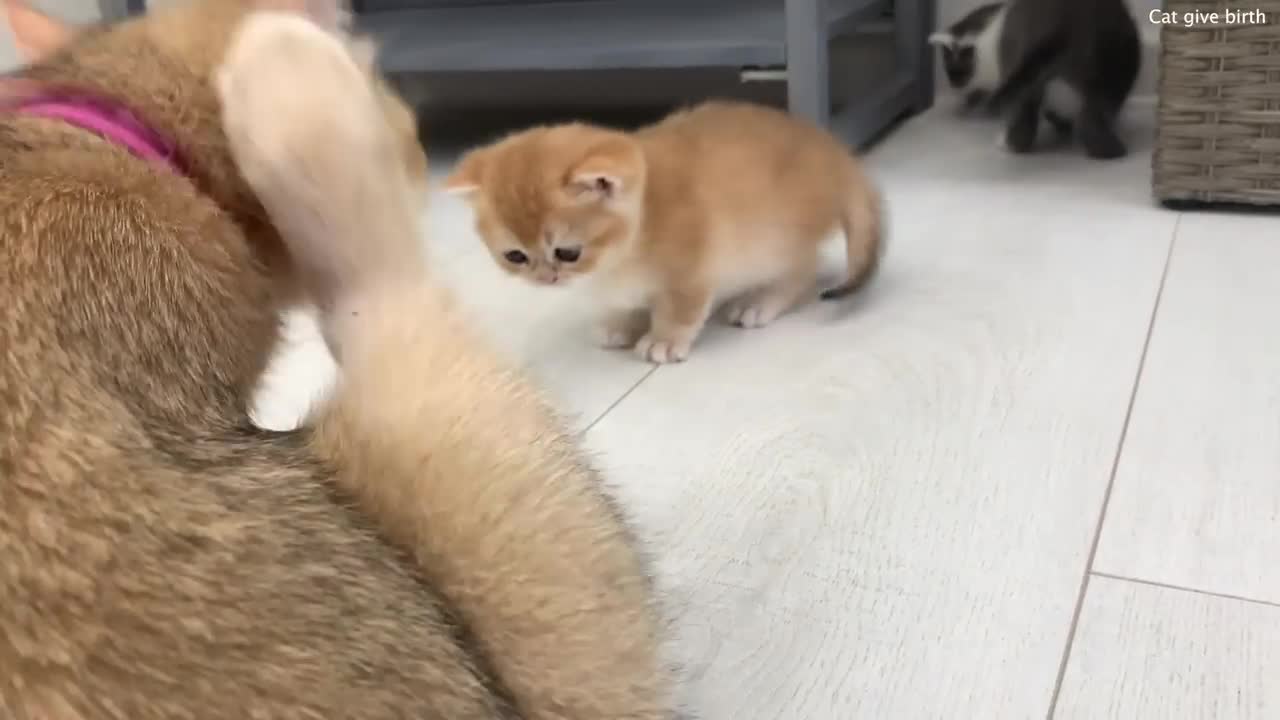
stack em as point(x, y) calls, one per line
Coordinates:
point(620, 330)
point(1002, 140)
point(753, 313)
point(612, 338)
point(662, 350)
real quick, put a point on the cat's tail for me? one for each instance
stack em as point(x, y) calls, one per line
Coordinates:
point(473, 473)
point(1034, 69)
point(863, 226)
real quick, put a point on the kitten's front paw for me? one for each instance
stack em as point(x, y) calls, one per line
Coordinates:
point(753, 313)
point(614, 339)
point(663, 350)
point(620, 330)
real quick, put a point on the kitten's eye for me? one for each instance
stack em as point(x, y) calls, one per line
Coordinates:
point(568, 255)
point(516, 257)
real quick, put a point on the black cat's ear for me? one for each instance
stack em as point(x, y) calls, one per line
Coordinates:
point(942, 39)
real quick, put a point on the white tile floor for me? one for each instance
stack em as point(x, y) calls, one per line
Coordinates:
point(1034, 471)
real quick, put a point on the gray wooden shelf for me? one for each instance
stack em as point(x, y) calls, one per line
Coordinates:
point(605, 34)
point(789, 36)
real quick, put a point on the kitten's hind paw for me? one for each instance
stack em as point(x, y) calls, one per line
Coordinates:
point(662, 350)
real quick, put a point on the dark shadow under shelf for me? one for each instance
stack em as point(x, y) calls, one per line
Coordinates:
point(602, 34)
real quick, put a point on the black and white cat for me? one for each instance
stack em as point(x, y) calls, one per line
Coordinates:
point(1074, 61)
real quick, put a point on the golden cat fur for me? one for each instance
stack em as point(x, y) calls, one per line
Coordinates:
point(432, 546)
point(557, 600)
point(726, 201)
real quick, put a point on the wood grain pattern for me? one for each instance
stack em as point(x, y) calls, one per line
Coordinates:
point(1151, 653)
point(1197, 495)
point(884, 510)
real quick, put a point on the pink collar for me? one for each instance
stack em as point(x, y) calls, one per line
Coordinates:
point(108, 119)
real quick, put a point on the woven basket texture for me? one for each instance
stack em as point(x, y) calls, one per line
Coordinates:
point(1218, 113)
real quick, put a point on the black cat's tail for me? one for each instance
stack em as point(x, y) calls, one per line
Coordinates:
point(1034, 69)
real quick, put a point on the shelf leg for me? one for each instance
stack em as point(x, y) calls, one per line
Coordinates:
point(808, 60)
point(913, 22)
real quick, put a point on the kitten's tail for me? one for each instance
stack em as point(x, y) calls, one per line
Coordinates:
point(1033, 69)
point(863, 226)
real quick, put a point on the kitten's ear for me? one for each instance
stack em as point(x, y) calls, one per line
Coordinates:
point(942, 39)
point(465, 178)
point(611, 169)
point(595, 184)
point(35, 34)
point(333, 15)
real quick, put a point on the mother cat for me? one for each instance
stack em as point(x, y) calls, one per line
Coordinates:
point(432, 547)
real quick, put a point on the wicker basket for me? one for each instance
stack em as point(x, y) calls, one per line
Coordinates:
point(1218, 118)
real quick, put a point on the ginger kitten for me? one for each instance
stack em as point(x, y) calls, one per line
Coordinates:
point(162, 556)
point(724, 202)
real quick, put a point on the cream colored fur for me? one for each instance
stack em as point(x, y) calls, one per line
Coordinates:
point(456, 455)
